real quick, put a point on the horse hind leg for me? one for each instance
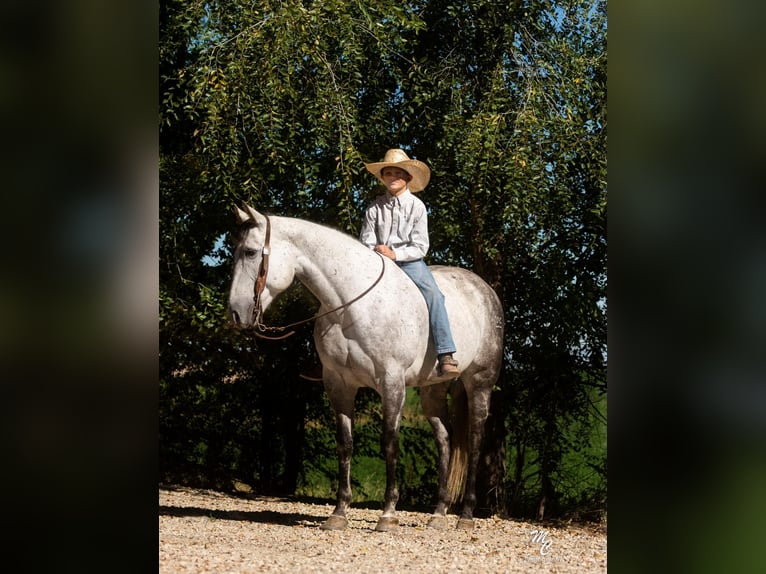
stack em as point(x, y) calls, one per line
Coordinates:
point(477, 411)
point(433, 399)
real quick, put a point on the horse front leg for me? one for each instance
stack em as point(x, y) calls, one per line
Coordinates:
point(343, 404)
point(393, 404)
point(433, 399)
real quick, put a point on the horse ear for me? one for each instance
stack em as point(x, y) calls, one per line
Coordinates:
point(253, 215)
point(242, 216)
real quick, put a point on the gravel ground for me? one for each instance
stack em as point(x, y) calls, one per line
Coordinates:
point(205, 531)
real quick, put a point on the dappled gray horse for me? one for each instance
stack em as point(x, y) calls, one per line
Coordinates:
point(372, 331)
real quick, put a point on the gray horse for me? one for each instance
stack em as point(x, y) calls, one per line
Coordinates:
point(372, 331)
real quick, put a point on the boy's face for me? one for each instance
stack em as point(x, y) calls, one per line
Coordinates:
point(395, 179)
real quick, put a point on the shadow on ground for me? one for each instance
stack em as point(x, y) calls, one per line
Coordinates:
point(264, 516)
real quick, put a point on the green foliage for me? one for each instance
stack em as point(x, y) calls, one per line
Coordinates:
point(279, 104)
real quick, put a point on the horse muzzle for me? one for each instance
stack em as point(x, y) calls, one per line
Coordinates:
point(244, 319)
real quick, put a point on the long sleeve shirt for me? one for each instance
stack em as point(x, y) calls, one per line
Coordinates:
point(400, 222)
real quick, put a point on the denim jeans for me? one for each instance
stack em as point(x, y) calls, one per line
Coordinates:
point(421, 275)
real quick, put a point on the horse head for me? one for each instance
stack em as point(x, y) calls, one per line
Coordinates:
point(258, 277)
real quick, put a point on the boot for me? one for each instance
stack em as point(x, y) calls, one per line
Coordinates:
point(447, 365)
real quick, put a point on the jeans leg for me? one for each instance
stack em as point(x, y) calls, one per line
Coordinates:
point(421, 275)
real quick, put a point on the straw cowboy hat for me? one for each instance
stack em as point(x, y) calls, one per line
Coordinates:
point(397, 158)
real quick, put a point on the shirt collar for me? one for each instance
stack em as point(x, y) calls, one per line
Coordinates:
point(397, 199)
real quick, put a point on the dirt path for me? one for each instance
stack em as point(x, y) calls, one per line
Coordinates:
point(202, 531)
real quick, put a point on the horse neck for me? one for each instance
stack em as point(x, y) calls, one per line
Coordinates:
point(333, 266)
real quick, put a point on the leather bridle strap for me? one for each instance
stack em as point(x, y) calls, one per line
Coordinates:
point(263, 269)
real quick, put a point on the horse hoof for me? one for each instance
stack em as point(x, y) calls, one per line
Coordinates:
point(335, 522)
point(387, 524)
point(465, 524)
point(437, 522)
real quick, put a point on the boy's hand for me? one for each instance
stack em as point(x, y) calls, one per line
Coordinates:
point(385, 250)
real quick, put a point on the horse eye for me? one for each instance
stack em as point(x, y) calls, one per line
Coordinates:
point(250, 253)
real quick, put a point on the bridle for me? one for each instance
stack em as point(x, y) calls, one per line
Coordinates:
point(263, 271)
point(260, 284)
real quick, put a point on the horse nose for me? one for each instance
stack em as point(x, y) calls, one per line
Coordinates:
point(234, 317)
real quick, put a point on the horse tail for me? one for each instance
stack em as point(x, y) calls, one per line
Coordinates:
point(458, 464)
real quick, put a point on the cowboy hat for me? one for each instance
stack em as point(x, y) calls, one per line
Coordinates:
point(397, 158)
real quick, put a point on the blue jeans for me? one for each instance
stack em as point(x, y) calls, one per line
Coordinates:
point(421, 275)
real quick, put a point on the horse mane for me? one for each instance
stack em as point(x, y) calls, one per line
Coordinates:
point(342, 236)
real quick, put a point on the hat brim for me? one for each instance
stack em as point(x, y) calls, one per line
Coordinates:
point(419, 171)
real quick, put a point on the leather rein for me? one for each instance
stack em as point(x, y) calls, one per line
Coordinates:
point(260, 284)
